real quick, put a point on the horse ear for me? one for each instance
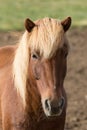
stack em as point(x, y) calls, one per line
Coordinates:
point(29, 25)
point(66, 23)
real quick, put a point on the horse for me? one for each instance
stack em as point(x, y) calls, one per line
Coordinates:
point(32, 73)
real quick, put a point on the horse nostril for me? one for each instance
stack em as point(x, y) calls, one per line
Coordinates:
point(47, 104)
point(61, 102)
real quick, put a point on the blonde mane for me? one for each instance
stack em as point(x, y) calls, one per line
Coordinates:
point(46, 37)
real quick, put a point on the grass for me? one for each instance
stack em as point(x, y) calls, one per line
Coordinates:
point(13, 13)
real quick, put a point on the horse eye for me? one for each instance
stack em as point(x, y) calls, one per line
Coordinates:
point(34, 56)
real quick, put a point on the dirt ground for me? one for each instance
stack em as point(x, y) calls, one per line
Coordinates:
point(76, 80)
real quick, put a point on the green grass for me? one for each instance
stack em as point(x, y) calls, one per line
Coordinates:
point(14, 12)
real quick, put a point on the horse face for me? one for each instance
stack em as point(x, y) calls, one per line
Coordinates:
point(49, 76)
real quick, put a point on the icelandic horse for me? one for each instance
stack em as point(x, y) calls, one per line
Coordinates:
point(32, 73)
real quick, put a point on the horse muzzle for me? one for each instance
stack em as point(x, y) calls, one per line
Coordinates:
point(54, 107)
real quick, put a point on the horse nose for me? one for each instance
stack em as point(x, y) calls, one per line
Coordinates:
point(54, 106)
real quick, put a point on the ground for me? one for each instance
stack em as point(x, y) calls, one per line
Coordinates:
point(76, 80)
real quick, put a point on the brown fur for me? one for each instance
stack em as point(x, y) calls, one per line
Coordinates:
point(44, 79)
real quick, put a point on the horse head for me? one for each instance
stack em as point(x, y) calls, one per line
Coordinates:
point(48, 61)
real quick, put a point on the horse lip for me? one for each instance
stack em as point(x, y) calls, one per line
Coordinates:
point(50, 114)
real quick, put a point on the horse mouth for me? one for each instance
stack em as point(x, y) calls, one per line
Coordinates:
point(51, 114)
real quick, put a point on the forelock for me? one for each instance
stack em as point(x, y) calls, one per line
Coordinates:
point(47, 37)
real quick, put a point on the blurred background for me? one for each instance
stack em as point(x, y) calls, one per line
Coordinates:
point(13, 13)
point(12, 16)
